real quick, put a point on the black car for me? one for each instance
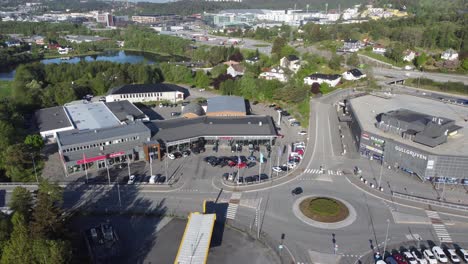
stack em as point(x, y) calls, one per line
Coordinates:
point(256, 178)
point(161, 179)
point(209, 158)
point(285, 113)
point(251, 164)
point(243, 159)
point(239, 148)
point(297, 191)
point(248, 179)
point(177, 155)
point(233, 148)
point(284, 168)
point(263, 176)
point(240, 179)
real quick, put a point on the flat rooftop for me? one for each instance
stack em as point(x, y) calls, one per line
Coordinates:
point(226, 104)
point(122, 109)
point(367, 107)
point(91, 116)
point(52, 118)
point(182, 128)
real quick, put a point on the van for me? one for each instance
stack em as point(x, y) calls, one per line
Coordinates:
point(152, 179)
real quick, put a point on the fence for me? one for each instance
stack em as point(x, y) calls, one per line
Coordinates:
point(431, 202)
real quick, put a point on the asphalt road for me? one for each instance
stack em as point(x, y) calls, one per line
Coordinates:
point(438, 77)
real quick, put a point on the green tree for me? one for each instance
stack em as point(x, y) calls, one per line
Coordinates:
point(47, 222)
point(21, 201)
point(5, 230)
point(335, 62)
point(353, 60)
point(18, 163)
point(420, 60)
point(18, 248)
point(278, 45)
point(51, 251)
point(395, 52)
point(201, 79)
point(34, 141)
point(218, 70)
point(464, 64)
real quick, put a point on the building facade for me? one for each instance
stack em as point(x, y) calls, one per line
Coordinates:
point(136, 93)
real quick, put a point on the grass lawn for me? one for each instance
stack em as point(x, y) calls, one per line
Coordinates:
point(324, 209)
point(5, 88)
point(382, 58)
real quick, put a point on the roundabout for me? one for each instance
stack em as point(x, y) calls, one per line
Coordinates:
point(324, 212)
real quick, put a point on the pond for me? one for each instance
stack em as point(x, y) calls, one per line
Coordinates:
point(112, 56)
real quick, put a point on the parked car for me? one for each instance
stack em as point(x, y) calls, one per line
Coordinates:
point(295, 124)
point(418, 256)
point(429, 256)
point(175, 114)
point(171, 156)
point(232, 176)
point(452, 254)
point(243, 159)
point(285, 113)
point(225, 175)
point(357, 170)
point(302, 133)
point(131, 179)
point(263, 177)
point(277, 169)
point(271, 105)
point(152, 179)
point(399, 258)
point(439, 254)
point(248, 179)
point(409, 257)
point(160, 179)
point(240, 180)
point(256, 178)
point(291, 119)
point(242, 165)
point(209, 158)
point(185, 153)
point(251, 164)
point(297, 191)
point(252, 158)
point(232, 163)
point(390, 260)
point(463, 253)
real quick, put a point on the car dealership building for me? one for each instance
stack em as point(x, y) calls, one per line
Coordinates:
point(420, 136)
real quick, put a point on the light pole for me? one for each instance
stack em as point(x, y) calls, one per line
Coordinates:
point(386, 236)
point(34, 166)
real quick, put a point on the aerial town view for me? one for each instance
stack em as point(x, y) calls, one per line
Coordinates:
point(233, 131)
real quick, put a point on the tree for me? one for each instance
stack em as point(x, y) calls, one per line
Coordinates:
point(218, 70)
point(353, 60)
point(18, 163)
point(201, 79)
point(420, 60)
point(335, 62)
point(35, 142)
point(5, 230)
point(47, 222)
point(236, 56)
point(21, 201)
point(464, 64)
point(278, 45)
point(51, 251)
point(18, 248)
point(315, 88)
point(395, 52)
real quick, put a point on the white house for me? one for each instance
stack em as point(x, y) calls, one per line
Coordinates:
point(291, 62)
point(331, 79)
point(146, 93)
point(409, 55)
point(353, 75)
point(449, 54)
point(64, 51)
point(236, 70)
point(352, 45)
point(276, 73)
point(379, 49)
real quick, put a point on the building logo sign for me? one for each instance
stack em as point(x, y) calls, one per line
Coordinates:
point(411, 153)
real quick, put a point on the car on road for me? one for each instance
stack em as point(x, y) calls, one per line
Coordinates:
point(439, 254)
point(452, 254)
point(407, 255)
point(277, 169)
point(131, 179)
point(399, 258)
point(418, 256)
point(291, 165)
point(429, 256)
point(302, 133)
point(463, 253)
point(296, 191)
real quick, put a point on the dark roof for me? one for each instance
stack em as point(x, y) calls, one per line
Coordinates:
point(356, 72)
point(52, 118)
point(181, 128)
point(146, 88)
point(226, 103)
point(292, 57)
point(122, 109)
point(351, 41)
point(325, 76)
point(73, 137)
point(193, 108)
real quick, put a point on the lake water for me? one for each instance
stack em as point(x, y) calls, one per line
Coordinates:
point(112, 56)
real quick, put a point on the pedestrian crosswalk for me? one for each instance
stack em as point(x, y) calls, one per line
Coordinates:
point(318, 171)
point(231, 211)
point(439, 227)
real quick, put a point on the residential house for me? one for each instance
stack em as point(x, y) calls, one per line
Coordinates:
point(276, 73)
point(331, 79)
point(64, 50)
point(252, 60)
point(13, 43)
point(409, 55)
point(353, 75)
point(379, 49)
point(236, 70)
point(291, 62)
point(352, 45)
point(449, 54)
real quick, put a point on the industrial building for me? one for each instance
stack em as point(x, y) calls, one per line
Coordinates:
point(421, 136)
point(136, 93)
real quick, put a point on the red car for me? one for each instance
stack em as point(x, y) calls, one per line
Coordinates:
point(399, 258)
point(242, 165)
point(232, 163)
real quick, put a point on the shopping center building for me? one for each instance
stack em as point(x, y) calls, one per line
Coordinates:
point(418, 135)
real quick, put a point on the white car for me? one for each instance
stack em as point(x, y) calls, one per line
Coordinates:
point(291, 119)
point(439, 254)
point(277, 169)
point(409, 257)
point(418, 256)
point(463, 253)
point(171, 156)
point(152, 179)
point(291, 165)
point(452, 254)
point(429, 256)
point(302, 133)
point(131, 179)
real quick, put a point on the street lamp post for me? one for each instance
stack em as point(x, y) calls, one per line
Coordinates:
point(386, 236)
point(34, 165)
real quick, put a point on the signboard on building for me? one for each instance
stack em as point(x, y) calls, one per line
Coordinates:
point(411, 153)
